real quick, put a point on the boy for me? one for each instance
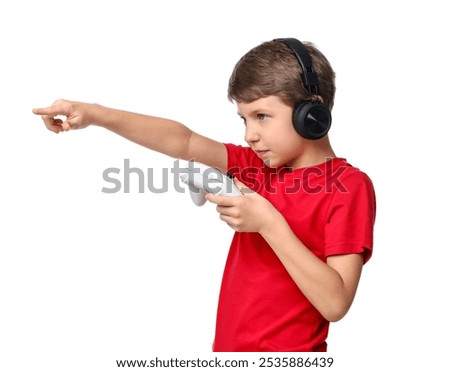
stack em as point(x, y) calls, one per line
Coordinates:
point(305, 232)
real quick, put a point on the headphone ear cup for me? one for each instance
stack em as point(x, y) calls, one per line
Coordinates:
point(311, 119)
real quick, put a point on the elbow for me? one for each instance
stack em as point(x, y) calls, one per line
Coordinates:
point(336, 312)
point(335, 317)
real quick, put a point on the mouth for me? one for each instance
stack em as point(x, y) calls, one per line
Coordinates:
point(261, 153)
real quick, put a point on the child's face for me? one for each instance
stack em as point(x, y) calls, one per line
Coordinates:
point(269, 131)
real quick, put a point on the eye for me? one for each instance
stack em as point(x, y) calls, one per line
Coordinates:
point(262, 117)
point(243, 120)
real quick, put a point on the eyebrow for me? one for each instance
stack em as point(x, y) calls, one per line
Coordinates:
point(255, 111)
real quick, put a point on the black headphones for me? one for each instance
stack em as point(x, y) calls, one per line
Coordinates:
point(311, 119)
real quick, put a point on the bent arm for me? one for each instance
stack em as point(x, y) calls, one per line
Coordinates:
point(330, 286)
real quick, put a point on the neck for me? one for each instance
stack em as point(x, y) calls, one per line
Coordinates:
point(314, 153)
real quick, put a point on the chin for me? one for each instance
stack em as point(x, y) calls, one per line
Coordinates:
point(271, 163)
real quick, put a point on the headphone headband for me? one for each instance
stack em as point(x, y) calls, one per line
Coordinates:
point(310, 117)
point(309, 76)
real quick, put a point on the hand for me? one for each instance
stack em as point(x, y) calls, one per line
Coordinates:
point(76, 114)
point(247, 213)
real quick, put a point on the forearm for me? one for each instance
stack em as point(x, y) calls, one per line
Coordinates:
point(321, 284)
point(163, 135)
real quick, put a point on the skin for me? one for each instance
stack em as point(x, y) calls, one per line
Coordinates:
point(330, 286)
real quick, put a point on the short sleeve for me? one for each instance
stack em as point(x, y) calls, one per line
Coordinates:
point(246, 166)
point(351, 217)
point(240, 157)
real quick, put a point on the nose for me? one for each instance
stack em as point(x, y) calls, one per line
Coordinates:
point(251, 133)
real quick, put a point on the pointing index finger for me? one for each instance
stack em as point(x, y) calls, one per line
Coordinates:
point(50, 111)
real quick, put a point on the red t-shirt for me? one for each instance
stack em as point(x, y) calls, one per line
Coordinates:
point(331, 209)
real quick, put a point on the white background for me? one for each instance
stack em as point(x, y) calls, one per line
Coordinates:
point(87, 277)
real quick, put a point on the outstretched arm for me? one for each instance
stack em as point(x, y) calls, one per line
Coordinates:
point(162, 135)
